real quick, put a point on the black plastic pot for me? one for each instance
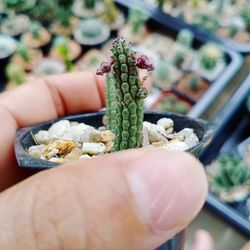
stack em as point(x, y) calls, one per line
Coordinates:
point(168, 25)
point(24, 140)
point(234, 127)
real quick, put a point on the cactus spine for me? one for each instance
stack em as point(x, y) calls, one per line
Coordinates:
point(125, 94)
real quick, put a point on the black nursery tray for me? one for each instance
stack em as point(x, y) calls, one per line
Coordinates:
point(164, 24)
point(234, 121)
point(202, 33)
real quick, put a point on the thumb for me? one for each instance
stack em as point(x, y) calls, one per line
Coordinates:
point(136, 199)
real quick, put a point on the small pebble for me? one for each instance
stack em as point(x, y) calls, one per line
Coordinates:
point(176, 145)
point(59, 129)
point(84, 156)
point(62, 147)
point(75, 154)
point(57, 160)
point(166, 123)
point(42, 137)
point(93, 148)
point(37, 151)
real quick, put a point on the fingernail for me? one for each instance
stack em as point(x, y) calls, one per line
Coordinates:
point(168, 189)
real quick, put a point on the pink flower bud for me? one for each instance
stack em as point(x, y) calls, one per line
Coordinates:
point(142, 62)
point(105, 67)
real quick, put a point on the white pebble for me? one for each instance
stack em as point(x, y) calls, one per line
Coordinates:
point(85, 156)
point(166, 123)
point(176, 145)
point(186, 132)
point(191, 140)
point(93, 148)
point(59, 129)
point(145, 139)
point(37, 151)
point(155, 132)
point(42, 137)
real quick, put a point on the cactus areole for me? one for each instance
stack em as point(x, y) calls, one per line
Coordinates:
point(125, 94)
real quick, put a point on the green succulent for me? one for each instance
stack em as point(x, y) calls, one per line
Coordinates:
point(137, 19)
point(110, 12)
point(194, 83)
point(179, 56)
point(23, 51)
point(125, 94)
point(35, 29)
point(207, 22)
point(19, 5)
point(45, 10)
point(160, 3)
point(62, 45)
point(185, 37)
point(89, 4)
point(245, 14)
point(233, 172)
point(162, 72)
point(210, 56)
point(15, 74)
point(92, 28)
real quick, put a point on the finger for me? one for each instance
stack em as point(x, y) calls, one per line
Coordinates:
point(136, 199)
point(203, 241)
point(39, 101)
point(53, 96)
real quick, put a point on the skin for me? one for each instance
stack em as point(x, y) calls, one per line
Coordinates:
point(135, 199)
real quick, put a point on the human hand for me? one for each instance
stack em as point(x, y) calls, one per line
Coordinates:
point(136, 199)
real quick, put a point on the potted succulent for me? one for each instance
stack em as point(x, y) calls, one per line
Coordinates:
point(44, 11)
point(192, 86)
point(49, 66)
point(112, 16)
point(87, 8)
point(14, 25)
point(124, 128)
point(91, 32)
point(37, 37)
point(229, 178)
point(15, 75)
point(210, 61)
point(166, 75)
point(90, 60)
point(73, 49)
point(65, 22)
point(170, 102)
point(7, 48)
point(135, 29)
point(26, 57)
point(19, 5)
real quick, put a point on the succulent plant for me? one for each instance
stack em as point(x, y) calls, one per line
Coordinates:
point(23, 51)
point(245, 14)
point(19, 5)
point(185, 37)
point(207, 22)
point(63, 12)
point(125, 94)
point(137, 19)
point(49, 67)
point(194, 83)
point(15, 74)
point(61, 44)
point(163, 72)
point(232, 173)
point(160, 3)
point(45, 10)
point(179, 56)
point(210, 56)
point(91, 31)
point(110, 11)
point(35, 29)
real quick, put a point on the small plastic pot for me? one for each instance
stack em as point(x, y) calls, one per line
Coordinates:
point(24, 140)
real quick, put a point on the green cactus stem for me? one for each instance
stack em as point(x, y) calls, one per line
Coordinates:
point(194, 83)
point(35, 29)
point(125, 94)
point(160, 3)
point(245, 14)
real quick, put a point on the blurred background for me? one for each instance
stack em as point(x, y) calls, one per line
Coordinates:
point(200, 49)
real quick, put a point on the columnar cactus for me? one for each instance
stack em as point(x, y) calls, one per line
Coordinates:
point(125, 94)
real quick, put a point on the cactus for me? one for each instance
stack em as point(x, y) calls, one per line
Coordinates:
point(160, 3)
point(19, 5)
point(61, 44)
point(210, 56)
point(23, 52)
point(137, 19)
point(162, 72)
point(185, 37)
point(207, 22)
point(232, 172)
point(15, 74)
point(44, 10)
point(125, 94)
point(35, 29)
point(110, 11)
point(179, 56)
point(63, 12)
